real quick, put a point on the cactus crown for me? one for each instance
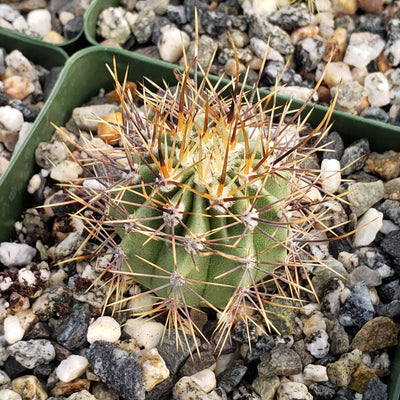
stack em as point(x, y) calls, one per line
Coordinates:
point(204, 201)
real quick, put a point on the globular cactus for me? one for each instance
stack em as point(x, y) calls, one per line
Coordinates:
point(205, 199)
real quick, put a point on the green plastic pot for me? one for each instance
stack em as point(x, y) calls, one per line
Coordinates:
point(349, 125)
point(82, 77)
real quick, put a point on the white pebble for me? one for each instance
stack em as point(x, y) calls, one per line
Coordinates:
point(171, 43)
point(388, 226)
point(8, 394)
point(13, 331)
point(26, 277)
point(330, 175)
point(316, 373)
point(153, 367)
point(71, 368)
point(5, 283)
point(104, 328)
point(66, 171)
point(336, 72)
point(293, 390)
point(319, 345)
point(4, 378)
point(205, 379)
point(363, 47)
point(146, 333)
point(378, 89)
point(367, 227)
point(39, 21)
point(16, 254)
point(11, 118)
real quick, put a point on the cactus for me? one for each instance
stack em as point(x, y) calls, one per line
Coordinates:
point(204, 202)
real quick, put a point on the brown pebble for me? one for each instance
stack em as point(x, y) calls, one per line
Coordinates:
point(110, 128)
point(324, 94)
point(370, 6)
point(386, 165)
point(383, 65)
point(336, 45)
point(129, 87)
point(255, 63)
point(376, 334)
point(360, 378)
point(303, 32)
point(392, 189)
point(29, 387)
point(67, 388)
point(18, 87)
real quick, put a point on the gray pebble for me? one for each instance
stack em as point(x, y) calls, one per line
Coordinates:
point(355, 154)
point(118, 369)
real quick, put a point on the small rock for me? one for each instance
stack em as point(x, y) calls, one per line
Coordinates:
point(231, 377)
point(71, 368)
point(293, 390)
point(71, 329)
point(377, 87)
point(104, 328)
point(69, 388)
point(73, 27)
point(171, 43)
point(391, 210)
point(391, 244)
point(205, 379)
point(360, 378)
point(29, 387)
point(112, 24)
point(146, 333)
point(357, 308)
point(363, 273)
point(315, 373)
point(387, 164)
point(82, 395)
point(354, 156)
point(266, 387)
point(318, 344)
point(53, 37)
point(362, 196)
point(66, 171)
point(330, 175)
point(363, 47)
point(375, 113)
point(351, 97)
point(367, 228)
point(337, 72)
point(33, 352)
point(13, 331)
point(340, 341)
point(314, 324)
point(379, 333)
point(11, 118)
point(87, 118)
point(186, 389)
point(153, 368)
point(39, 21)
point(281, 360)
point(16, 254)
point(340, 372)
point(392, 191)
point(118, 369)
point(18, 87)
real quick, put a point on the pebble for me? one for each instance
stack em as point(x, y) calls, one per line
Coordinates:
point(8, 394)
point(386, 165)
point(363, 47)
point(376, 334)
point(71, 330)
point(13, 331)
point(66, 171)
point(118, 369)
point(39, 21)
point(153, 367)
point(281, 360)
point(330, 175)
point(231, 377)
point(315, 373)
point(186, 389)
point(340, 372)
point(104, 328)
point(354, 156)
point(171, 43)
point(390, 244)
point(266, 387)
point(357, 308)
point(337, 72)
point(318, 344)
point(205, 379)
point(29, 387)
point(367, 227)
point(71, 368)
point(293, 390)
point(33, 352)
point(146, 333)
point(362, 196)
point(16, 254)
point(314, 324)
point(87, 118)
point(11, 118)
point(378, 89)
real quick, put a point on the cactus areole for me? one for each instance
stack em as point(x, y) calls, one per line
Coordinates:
point(201, 201)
